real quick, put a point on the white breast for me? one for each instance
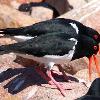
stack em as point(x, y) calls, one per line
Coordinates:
point(75, 27)
point(49, 58)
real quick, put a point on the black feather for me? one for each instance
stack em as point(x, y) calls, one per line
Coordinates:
point(49, 26)
point(56, 44)
point(93, 92)
point(54, 38)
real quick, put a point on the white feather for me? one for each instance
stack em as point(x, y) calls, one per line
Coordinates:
point(22, 38)
point(75, 27)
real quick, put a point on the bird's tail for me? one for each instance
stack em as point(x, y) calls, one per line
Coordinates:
point(32, 30)
point(4, 49)
point(12, 31)
point(36, 29)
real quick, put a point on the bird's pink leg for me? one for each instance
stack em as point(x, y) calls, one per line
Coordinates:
point(55, 82)
point(44, 76)
point(64, 74)
point(50, 80)
point(38, 70)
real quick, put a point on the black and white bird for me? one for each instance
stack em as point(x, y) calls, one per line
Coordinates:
point(54, 42)
point(27, 7)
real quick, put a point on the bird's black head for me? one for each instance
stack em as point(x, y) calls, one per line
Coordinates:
point(89, 45)
point(93, 34)
point(86, 46)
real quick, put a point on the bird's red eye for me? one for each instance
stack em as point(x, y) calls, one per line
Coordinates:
point(95, 36)
point(95, 47)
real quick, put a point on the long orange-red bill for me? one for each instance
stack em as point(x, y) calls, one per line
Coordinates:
point(90, 67)
point(93, 57)
point(97, 64)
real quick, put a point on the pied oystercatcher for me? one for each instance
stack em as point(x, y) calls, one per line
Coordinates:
point(53, 42)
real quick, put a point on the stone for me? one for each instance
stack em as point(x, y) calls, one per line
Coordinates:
point(23, 1)
point(42, 13)
point(74, 66)
point(62, 6)
point(83, 12)
point(10, 17)
point(7, 2)
point(88, 15)
point(83, 74)
point(93, 20)
point(38, 12)
point(77, 3)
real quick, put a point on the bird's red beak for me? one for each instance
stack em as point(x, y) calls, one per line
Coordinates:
point(93, 57)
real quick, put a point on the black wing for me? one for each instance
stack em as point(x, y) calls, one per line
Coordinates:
point(48, 44)
point(50, 26)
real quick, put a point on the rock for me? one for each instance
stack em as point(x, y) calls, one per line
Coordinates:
point(83, 12)
point(83, 74)
point(74, 66)
point(7, 2)
point(35, 0)
point(15, 4)
point(20, 1)
point(6, 96)
point(12, 18)
point(77, 3)
point(93, 20)
point(5, 41)
point(79, 64)
point(86, 14)
point(87, 0)
point(62, 6)
point(42, 13)
point(37, 12)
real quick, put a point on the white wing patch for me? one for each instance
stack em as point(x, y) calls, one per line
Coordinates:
point(75, 27)
point(73, 39)
point(71, 52)
point(22, 38)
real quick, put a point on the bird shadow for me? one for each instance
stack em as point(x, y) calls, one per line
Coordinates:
point(21, 78)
